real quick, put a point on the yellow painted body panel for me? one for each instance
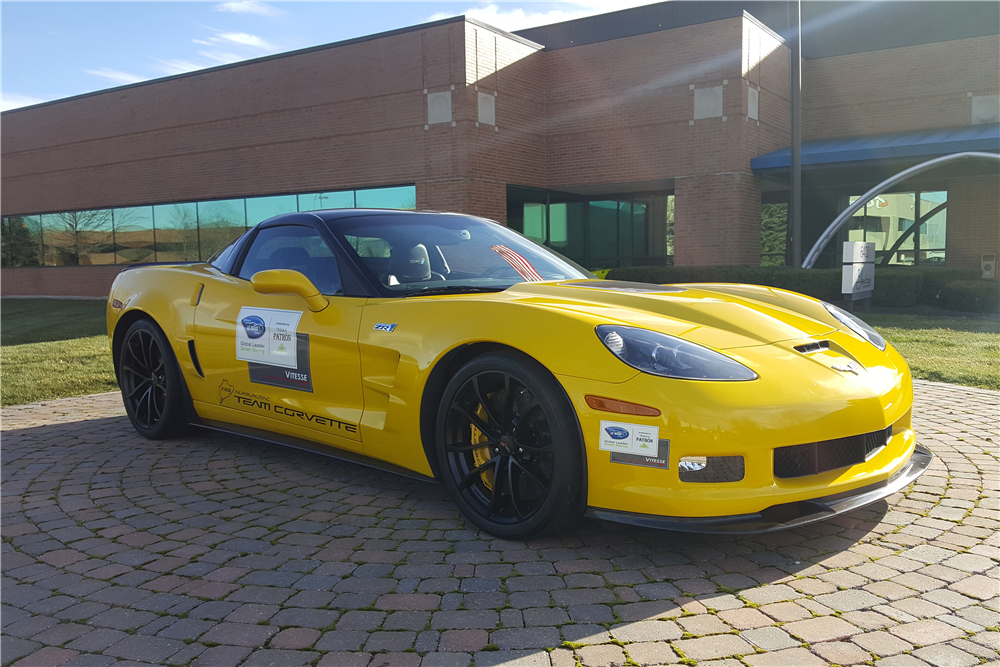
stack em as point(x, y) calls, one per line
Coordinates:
point(374, 380)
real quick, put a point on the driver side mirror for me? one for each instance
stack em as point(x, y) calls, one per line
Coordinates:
point(286, 281)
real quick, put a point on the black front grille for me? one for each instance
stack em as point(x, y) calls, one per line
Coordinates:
point(816, 457)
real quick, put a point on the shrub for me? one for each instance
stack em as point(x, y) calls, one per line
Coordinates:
point(971, 296)
point(897, 288)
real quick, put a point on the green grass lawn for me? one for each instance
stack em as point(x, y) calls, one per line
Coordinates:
point(945, 349)
point(52, 348)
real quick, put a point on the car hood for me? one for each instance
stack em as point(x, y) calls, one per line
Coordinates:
point(721, 316)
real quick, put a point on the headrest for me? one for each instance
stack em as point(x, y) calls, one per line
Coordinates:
point(410, 265)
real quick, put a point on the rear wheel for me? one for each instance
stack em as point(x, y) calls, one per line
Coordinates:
point(151, 382)
point(509, 447)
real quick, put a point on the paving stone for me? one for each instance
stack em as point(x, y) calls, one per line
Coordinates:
point(641, 611)
point(822, 629)
point(770, 638)
point(607, 655)
point(221, 656)
point(146, 649)
point(591, 613)
point(522, 638)
point(792, 657)
point(239, 634)
point(841, 653)
point(446, 660)
point(926, 632)
point(646, 631)
point(528, 658)
point(978, 586)
point(703, 624)
point(344, 659)
point(585, 634)
point(649, 654)
point(305, 618)
point(280, 658)
point(341, 640)
point(716, 646)
point(943, 655)
point(881, 643)
point(397, 640)
point(849, 600)
point(465, 620)
point(361, 620)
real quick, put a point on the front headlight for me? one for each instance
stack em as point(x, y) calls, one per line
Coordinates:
point(667, 356)
point(857, 325)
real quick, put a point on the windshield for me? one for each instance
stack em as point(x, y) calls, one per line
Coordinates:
point(440, 253)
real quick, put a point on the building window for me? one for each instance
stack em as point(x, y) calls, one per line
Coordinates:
point(907, 228)
point(599, 232)
point(179, 232)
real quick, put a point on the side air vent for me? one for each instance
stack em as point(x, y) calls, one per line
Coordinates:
point(816, 457)
point(818, 346)
point(194, 358)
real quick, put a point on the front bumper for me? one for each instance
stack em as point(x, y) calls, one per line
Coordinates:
point(783, 516)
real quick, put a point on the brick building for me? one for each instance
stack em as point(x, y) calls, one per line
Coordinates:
point(643, 136)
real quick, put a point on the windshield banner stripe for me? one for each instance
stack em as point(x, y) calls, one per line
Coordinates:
point(519, 263)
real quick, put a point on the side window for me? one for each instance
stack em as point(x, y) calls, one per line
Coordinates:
point(296, 248)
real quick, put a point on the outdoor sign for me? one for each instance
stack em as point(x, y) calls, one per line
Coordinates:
point(859, 270)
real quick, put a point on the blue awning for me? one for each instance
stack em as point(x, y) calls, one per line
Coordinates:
point(886, 147)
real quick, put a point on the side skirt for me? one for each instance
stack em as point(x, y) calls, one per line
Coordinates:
point(307, 446)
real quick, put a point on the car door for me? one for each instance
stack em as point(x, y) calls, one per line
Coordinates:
point(275, 361)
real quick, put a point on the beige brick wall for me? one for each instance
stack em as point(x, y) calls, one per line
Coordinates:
point(973, 221)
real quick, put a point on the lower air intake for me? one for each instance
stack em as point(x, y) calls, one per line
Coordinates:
point(816, 457)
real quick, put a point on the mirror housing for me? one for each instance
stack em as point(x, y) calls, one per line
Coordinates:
point(286, 281)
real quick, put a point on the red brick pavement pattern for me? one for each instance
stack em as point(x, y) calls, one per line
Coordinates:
point(218, 550)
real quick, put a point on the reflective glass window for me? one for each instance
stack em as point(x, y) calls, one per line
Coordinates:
point(640, 242)
point(134, 241)
point(558, 226)
point(219, 222)
point(295, 248)
point(176, 234)
point(21, 241)
point(603, 233)
point(78, 238)
point(534, 221)
point(933, 232)
point(324, 200)
point(625, 229)
point(404, 198)
point(260, 209)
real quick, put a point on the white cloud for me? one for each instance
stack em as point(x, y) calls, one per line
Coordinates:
point(172, 67)
point(248, 7)
point(221, 57)
point(16, 100)
point(520, 19)
point(244, 39)
point(116, 76)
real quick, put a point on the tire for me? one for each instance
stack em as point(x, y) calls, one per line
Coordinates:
point(508, 447)
point(151, 383)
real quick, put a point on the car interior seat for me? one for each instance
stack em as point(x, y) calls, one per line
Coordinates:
point(410, 265)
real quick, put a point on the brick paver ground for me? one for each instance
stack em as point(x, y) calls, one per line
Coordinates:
point(216, 550)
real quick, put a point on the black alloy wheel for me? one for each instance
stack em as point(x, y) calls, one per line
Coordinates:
point(150, 382)
point(508, 447)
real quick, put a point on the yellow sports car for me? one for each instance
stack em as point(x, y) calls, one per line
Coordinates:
point(448, 347)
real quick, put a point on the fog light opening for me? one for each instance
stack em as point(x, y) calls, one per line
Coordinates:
point(710, 469)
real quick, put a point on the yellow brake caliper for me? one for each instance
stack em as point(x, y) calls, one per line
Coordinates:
point(482, 454)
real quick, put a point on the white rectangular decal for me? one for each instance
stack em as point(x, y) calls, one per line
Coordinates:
point(629, 438)
point(267, 336)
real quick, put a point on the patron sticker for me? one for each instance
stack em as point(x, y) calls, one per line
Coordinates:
point(629, 438)
point(267, 336)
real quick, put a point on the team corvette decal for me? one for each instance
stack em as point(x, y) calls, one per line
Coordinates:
point(264, 404)
point(276, 354)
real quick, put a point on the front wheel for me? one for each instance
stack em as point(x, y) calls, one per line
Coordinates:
point(151, 382)
point(509, 448)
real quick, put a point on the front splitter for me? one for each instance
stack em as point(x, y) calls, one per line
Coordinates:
point(784, 516)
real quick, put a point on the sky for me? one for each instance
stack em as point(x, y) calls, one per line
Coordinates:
point(53, 50)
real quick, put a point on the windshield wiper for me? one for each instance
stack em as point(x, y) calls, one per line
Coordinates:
point(454, 289)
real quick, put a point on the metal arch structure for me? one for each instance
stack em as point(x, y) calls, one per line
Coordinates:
point(835, 226)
